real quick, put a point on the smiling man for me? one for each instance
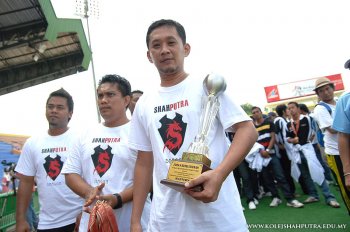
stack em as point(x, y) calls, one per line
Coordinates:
point(164, 123)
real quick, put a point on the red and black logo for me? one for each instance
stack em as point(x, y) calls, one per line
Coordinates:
point(172, 132)
point(53, 167)
point(102, 160)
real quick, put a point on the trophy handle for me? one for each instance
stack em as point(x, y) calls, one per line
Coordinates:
point(210, 110)
point(214, 85)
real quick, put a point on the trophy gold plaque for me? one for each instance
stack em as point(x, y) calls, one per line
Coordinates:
point(196, 160)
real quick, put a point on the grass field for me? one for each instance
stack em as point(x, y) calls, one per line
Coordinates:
point(313, 217)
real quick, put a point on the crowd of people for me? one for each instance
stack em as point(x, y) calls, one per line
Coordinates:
point(122, 161)
point(297, 146)
point(8, 182)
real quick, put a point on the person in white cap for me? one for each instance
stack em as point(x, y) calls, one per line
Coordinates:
point(324, 115)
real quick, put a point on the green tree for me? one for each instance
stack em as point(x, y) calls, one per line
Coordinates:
point(247, 107)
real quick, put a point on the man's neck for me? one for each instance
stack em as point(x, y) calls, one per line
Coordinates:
point(296, 117)
point(172, 79)
point(117, 122)
point(331, 102)
point(259, 121)
point(57, 131)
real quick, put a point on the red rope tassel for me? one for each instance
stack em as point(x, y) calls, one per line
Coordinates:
point(102, 218)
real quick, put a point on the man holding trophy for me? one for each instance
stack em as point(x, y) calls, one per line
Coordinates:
point(179, 132)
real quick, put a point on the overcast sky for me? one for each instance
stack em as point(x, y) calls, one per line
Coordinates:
point(252, 43)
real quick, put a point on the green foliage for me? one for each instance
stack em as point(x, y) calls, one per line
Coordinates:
point(247, 107)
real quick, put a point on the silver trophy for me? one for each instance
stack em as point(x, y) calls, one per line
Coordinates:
point(213, 85)
point(196, 160)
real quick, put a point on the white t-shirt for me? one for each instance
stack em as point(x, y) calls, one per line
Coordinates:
point(43, 157)
point(324, 120)
point(102, 155)
point(166, 121)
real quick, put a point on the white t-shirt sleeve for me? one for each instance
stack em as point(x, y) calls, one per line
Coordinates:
point(232, 111)
point(73, 163)
point(323, 117)
point(26, 162)
point(139, 136)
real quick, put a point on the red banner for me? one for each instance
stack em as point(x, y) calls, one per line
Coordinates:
point(299, 88)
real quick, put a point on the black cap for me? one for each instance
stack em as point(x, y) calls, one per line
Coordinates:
point(272, 114)
point(347, 64)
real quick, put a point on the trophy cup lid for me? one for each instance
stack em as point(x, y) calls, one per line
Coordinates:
point(214, 84)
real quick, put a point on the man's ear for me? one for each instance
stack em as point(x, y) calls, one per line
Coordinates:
point(127, 100)
point(70, 116)
point(149, 57)
point(187, 48)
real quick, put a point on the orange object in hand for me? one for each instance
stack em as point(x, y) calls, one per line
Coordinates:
point(102, 218)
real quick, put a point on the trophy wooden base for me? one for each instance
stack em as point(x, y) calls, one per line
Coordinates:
point(179, 186)
point(188, 168)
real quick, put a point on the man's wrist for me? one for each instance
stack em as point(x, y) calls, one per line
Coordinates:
point(119, 201)
point(87, 192)
point(21, 218)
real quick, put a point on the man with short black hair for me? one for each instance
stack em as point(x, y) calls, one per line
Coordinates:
point(319, 153)
point(309, 168)
point(266, 130)
point(161, 133)
point(42, 158)
point(280, 128)
point(102, 165)
point(135, 95)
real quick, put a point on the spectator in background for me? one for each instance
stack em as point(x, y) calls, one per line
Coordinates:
point(266, 130)
point(313, 139)
point(310, 169)
point(5, 182)
point(32, 219)
point(282, 144)
point(245, 173)
point(271, 116)
point(341, 124)
point(135, 95)
point(324, 114)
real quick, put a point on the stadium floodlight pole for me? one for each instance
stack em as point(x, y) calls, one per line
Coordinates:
point(83, 10)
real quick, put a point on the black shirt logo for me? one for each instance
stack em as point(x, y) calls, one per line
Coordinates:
point(53, 167)
point(102, 160)
point(172, 132)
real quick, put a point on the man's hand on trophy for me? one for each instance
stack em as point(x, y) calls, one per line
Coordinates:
point(211, 182)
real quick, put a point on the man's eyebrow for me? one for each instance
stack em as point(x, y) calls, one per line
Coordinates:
point(167, 38)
